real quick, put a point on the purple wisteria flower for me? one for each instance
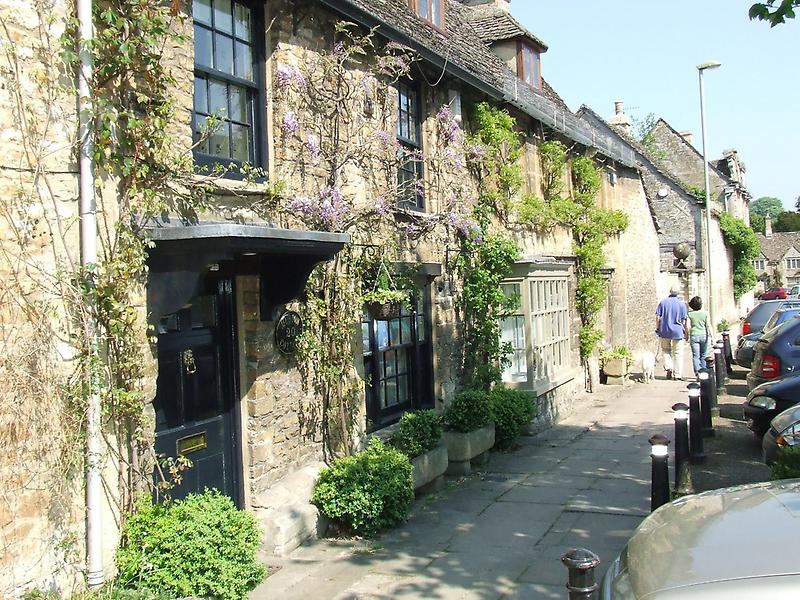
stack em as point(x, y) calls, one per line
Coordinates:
point(476, 151)
point(302, 205)
point(312, 143)
point(289, 75)
point(450, 127)
point(385, 138)
point(454, 157)
point(381, 207)
point(326, 212)
point(469, 228)
point(290, 124)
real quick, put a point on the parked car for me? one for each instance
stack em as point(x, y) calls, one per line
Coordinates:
point(779, 293)
point(794, 291)
point(783, 432)
point(776, 353)
point(768, 399)
point(744, 349)
point(756, 319)
point(725, 543)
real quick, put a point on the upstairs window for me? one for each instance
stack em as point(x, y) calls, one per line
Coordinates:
point(430, 10)
point(793, 263)
point(227, 82)
point(529, 66)
point(410, 191)
point(759, 264)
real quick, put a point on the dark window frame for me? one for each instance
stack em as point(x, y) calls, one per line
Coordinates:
point(428, 16)
point(534, 78)
point(410, 171)
point(255, 89)
point(419, 362)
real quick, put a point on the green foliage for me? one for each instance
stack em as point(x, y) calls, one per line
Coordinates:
point(200, 546)
point(774, 12)
point(418, 432)
point(368, 491)
point(745, 247)
point(698, 192)
point(757, 223)
point(468, 411)
point(766, 205)
point(723, 325)
point(114, 591)
point(787, 463)
point(510, 410)
point(619, 352)
point(787, 221)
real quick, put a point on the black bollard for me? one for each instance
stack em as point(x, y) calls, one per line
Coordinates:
point(707, 395)
point(726, 348)
point(581, 564)
point(719, 366)
point(683, 477)
point(696, 453)
point(711, 384)
point(659, 483)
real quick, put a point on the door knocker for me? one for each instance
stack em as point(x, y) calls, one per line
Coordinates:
point(188, 362)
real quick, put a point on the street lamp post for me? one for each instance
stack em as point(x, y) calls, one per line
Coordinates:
point(712, 64)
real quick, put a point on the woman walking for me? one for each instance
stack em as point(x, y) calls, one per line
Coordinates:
point(699, 333)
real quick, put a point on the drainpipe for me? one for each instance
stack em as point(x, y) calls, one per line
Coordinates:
point(88, 233)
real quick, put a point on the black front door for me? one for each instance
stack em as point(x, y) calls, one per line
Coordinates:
point(196, 392)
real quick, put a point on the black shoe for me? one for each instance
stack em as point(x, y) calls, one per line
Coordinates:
point(669, 374)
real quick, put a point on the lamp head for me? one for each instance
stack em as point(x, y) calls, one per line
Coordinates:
point(710, 64)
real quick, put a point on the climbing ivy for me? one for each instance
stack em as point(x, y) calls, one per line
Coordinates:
point(745, 247)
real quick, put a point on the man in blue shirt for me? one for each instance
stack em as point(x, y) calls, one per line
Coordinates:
point(672, 329)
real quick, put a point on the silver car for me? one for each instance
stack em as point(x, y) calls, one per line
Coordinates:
point(784, 432)
point(733, 543)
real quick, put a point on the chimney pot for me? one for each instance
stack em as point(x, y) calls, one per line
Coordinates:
point(768, 226)
point(687, 135)
point(619, 107)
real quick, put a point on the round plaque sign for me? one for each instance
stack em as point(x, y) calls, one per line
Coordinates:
point(287, 330)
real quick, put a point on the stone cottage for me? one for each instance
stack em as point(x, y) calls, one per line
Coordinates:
point(313, 145)
point(779, 263)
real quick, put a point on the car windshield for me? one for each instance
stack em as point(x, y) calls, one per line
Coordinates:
point(763, 311)
point(772, 333)
point(780, 316)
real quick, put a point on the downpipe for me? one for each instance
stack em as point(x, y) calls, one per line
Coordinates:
point(88, 244)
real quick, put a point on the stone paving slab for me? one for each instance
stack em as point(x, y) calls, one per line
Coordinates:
point(500, 533)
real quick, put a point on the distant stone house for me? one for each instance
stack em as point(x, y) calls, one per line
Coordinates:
point(779, 263)
point(221, 383)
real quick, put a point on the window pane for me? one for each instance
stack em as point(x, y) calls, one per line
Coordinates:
point(402, 392)
point(394, 327)
point(200, 95)
point(365, 337)
point(201, 11)
point(382, 336)
point(220, 143)
point(242, 18)
point(238, 97)
point(240, 143)
point(218, 98)
point(223, 53)
point(391, 392)
point(223, 17)
point(420, 328)
point(405, 330)
point(422, 8)
point(202, 46)
point(244, 61)
point(402, 361)
point(436, 12)
point(201, 132)
point(390, 368)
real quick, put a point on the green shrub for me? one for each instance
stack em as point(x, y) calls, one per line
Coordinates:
point(510, 411)
point(366, 492)
point(418, 432)
point(787, 463)
point(200, 546)
point(114, 591)
point(468, 411)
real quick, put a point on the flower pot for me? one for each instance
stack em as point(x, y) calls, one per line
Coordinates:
point(427, 469)
point(616, 370)
point(383, 311)
point(465, 448)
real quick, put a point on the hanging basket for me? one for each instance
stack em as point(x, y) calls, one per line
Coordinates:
point(383, 311)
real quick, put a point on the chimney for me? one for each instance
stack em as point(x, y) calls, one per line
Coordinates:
point(768, 226)
point(687, 135)
point(620, 119)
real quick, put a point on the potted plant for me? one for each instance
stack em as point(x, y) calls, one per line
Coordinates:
point(385, 299)
point(419, 436)
point(615, 364)
point(470, 432)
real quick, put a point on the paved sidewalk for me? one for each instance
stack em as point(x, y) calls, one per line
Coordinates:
point(500, 533)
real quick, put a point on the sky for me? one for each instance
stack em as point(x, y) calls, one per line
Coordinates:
point(645, 52)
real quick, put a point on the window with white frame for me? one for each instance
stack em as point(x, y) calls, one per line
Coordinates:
point(759, 264)
point(793, 263)
point(538, 332)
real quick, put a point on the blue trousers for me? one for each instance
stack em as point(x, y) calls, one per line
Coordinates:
point(699, 344)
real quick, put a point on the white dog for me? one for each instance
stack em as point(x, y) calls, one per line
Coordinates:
point(648, 366)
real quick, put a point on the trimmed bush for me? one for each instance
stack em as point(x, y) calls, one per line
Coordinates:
point(510, 410)
point(366, 492)
point(200, 546)
point(417, 433)
point(468, 411)
point(787, 463)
